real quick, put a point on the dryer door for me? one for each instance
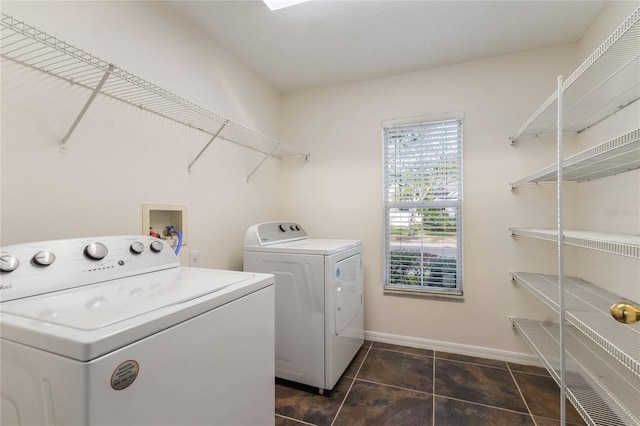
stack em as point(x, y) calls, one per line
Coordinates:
point(344, 315)
point(348, 291)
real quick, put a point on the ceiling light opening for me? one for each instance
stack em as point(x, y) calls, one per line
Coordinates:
point(274, 5)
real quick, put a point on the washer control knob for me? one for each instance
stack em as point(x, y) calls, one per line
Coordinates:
point(157, 246)
point(282, 228)
point(297, 227)
point(137, 247)
point(44, 258)
point(96, 251)
point(9, 263)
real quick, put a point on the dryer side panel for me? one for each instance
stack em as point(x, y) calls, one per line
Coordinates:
point(300, 313)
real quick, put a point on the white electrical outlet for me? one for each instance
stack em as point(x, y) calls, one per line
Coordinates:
point(194, 257)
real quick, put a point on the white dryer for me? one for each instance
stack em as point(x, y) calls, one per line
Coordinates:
point(112, 331)
point(319, 321)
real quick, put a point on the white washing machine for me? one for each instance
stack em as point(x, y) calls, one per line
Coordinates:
point(112, 331)
point(319, 300)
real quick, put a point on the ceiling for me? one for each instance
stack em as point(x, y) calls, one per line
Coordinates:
point(330, 42)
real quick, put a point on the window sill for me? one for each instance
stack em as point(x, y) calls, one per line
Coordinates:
point(395, 291)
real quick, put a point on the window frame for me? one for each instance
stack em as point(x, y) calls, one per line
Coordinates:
point(422, 290)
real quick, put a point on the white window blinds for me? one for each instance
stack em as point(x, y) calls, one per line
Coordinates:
point(423, 206)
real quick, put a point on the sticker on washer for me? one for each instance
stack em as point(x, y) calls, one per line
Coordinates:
point(124, 375)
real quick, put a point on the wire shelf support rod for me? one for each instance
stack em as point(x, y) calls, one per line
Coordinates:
point(63, 142)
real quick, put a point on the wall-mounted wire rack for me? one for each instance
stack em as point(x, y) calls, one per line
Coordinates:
point(38, 50)
point(588, 310)
point(626, 245)
point(617, 155)
point(605, 394)
point(606, 82)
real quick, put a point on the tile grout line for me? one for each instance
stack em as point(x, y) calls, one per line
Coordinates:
point(484, 405)
point(363, 360)
point(295, 420)
point(434, 356)
point(404, 352)
point(342, 403)
point(522, 395)
point(473, 363)
point(352, 383)
point(393, 386)
point(362, 363)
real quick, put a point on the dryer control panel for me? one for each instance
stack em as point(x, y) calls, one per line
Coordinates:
point(267, 233)
point(31, 269)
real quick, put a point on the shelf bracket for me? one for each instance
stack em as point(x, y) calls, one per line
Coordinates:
point(63, 142)
point(215, 135)
point(262, 162)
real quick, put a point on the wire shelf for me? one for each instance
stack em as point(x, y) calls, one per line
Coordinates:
point(588, 310)
point(606, 82)
point(617, 155)
point(604, 394)
point(626, 245)
point(38, 50)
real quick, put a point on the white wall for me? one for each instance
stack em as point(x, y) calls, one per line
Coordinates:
point(339, 193)
point(120, 157)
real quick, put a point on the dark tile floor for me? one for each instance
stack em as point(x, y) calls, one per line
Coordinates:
point(396, 385)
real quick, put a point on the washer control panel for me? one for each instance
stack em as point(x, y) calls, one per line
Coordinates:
point(31, 269)
point(274, 232)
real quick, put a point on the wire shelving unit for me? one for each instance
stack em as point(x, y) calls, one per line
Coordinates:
point(38, 50)
point(606, 82)
point(594, 359)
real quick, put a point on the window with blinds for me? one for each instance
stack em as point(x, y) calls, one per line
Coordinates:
point(423, 205)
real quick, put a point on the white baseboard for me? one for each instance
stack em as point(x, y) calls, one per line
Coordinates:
point(457, 348)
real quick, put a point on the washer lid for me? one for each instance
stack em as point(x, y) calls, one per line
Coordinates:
point(308, 246)
point(89, 321)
